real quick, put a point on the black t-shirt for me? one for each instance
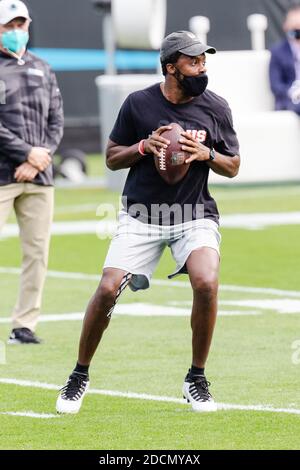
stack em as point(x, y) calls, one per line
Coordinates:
point(207, 117)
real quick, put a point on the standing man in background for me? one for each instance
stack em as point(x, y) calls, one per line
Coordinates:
point(285, 64)
point(31, 127)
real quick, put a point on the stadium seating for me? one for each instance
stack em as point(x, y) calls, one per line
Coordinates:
point(270, 140)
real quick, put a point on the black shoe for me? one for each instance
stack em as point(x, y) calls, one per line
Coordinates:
point(23, 336)
point(195, 390)
point(71, 395)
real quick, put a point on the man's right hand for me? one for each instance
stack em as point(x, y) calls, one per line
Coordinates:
point(155, 142)
point(25, 173)
point(39, 158)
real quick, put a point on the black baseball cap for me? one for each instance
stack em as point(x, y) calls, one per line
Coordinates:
point(185, 42)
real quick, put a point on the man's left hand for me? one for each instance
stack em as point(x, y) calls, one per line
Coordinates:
point(197, 150)
point(25, 173)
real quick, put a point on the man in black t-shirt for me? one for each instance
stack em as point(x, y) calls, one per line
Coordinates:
point(182, 216)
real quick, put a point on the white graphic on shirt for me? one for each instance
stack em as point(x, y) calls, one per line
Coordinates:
point(36, 72)
point(200, 135)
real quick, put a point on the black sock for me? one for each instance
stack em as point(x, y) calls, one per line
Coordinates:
point(196, 370)
point(83, 370)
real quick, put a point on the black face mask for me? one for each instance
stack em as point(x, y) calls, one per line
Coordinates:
point(294, 34)
point(192, 86)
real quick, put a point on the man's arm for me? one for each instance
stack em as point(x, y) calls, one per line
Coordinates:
point(225, 165)
point(121, 156)
point(278, 86)
point(54, 131)
point(25, 173)
point(18, 150)
point(13, 146)
point(222, 164)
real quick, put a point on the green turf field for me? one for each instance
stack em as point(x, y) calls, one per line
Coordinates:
point(137, 374)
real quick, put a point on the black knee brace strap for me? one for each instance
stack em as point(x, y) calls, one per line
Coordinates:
point(124, 283)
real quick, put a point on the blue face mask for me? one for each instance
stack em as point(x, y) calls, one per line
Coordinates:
point(14, 40)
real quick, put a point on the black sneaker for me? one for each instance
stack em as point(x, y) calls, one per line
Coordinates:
point(23, 336)
point(195, 391)
point(71, 395)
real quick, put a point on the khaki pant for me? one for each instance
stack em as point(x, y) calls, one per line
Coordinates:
point(33, 206)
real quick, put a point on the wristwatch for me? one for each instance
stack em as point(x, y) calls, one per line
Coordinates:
point(212, 154)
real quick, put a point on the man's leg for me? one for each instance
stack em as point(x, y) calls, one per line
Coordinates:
point(98, 312)
point(203, 269)
point(34, 211)
point(8, 193)
point(96, 320)
point(132, 250)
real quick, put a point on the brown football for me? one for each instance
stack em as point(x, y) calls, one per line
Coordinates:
point(171, 163)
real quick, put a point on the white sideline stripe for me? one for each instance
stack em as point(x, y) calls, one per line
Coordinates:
point(283, 306)
point(29, 383)
point(51, 318)
point(88, 182)
point(145, 396)
point(76, 227)
point(260, 290)
point(29, 414)
point(162, 282)
point(109, 226)
point(259, 220)
point(136, 310)
point(76, 209)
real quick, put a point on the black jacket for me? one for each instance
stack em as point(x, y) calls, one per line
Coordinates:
point(31, 114)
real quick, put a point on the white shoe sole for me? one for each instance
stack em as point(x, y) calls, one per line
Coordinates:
point(70, 406)
point(17, 341)
point(14, 341)
point(200, 407)
point(62, 411)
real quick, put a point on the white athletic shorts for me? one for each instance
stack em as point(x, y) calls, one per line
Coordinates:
point(137, 247)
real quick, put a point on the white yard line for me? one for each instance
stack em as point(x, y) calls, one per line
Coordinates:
point(259, 220)
point(162, 283)
point(136, 310)
point(29, 414)
point(145, 396)
point(57, 274)
point(253, 193)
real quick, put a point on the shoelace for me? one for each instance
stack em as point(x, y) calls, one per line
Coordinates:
point(201, 386)
point(74, 388)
